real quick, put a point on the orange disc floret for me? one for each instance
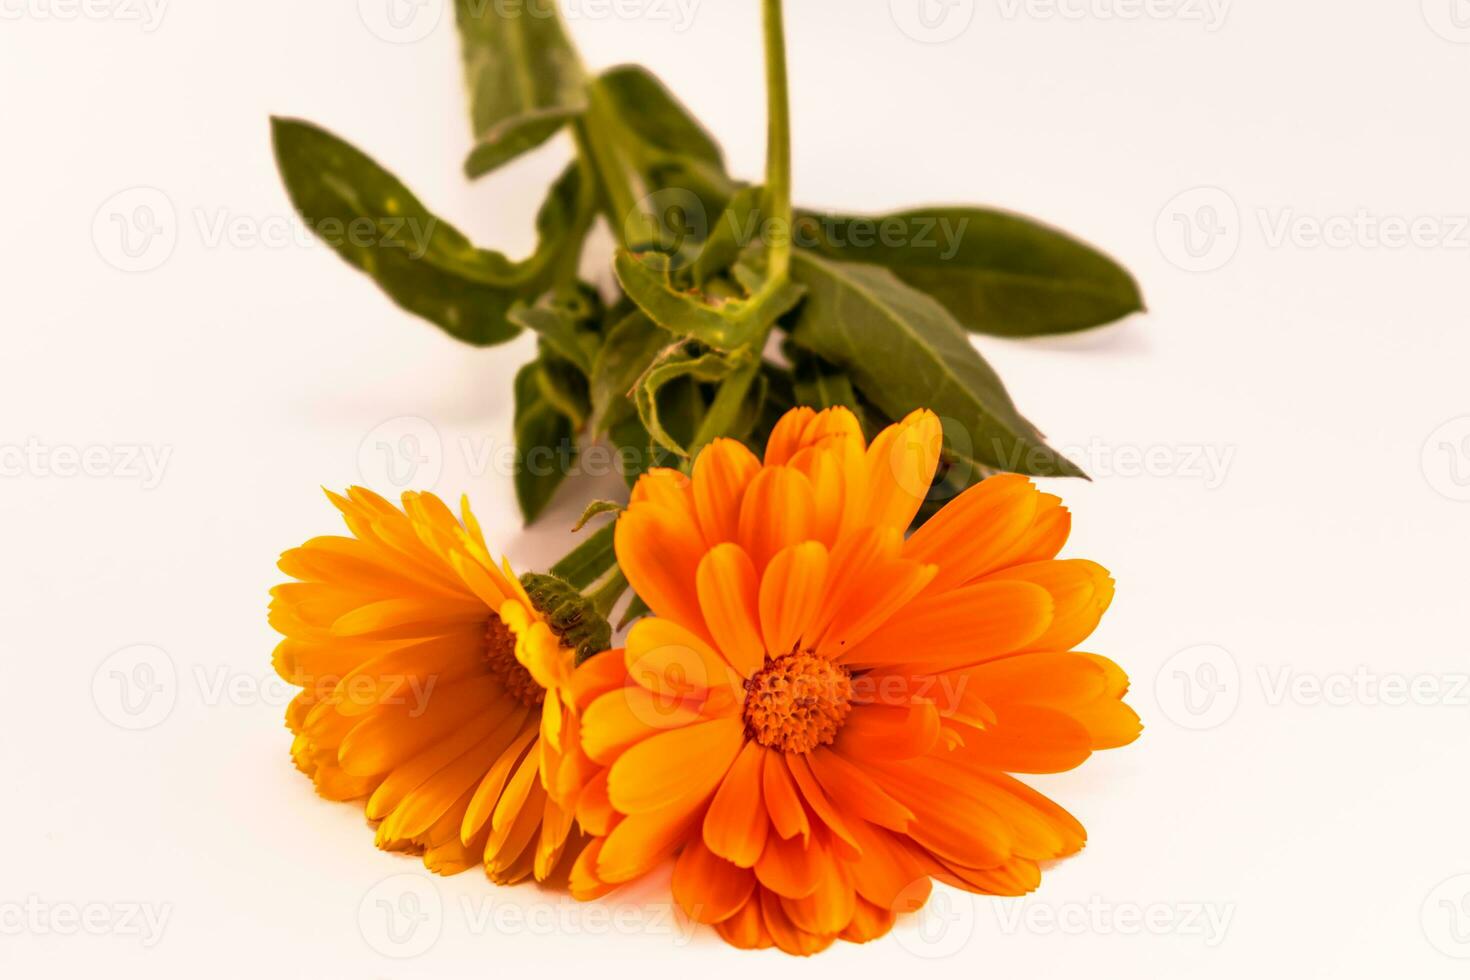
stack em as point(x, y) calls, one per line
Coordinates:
point(821, 716)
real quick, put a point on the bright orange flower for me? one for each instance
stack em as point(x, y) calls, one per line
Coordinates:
point(821, 716)
point(433, 687)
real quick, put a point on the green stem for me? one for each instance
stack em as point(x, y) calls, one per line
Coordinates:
point(606, 595)
point(778, 141)
point(597, 146)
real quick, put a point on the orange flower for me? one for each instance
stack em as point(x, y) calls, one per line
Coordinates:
point(821, 716)
point(432, 686)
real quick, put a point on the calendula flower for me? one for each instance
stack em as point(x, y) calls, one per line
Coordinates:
point(434, 687)
point(822, 715)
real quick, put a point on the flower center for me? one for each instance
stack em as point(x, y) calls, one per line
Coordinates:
point(500, 656)
point(797, 702)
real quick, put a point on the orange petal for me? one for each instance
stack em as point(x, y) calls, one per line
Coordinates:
point(901, 465)
point(728, 589)
point(746, 929)
point(790, 867)
point(854, 792)
point(779, 510)
point(786, 437)
point(736, 825)
point(659, 551)
point(787, 936)
point(669, 660)
point(976, 532)
point(721, 473)
point(788, 816)
point(707, 887)
point(640, 842)
point(959, 628)
point(622, 718)
point(1081, 592)
point(791, 594)
point(663, 769)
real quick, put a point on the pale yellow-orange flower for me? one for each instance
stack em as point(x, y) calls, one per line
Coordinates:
point(433, 688)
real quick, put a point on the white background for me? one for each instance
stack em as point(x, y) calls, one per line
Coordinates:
point(1301, 520)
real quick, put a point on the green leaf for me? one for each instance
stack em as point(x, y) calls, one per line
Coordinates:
point(563, 386)
point(515, 136)
point(722, 324)
point(905, 351)
point(678, 163)
point(560, 326)
point(998, 273)
point(631, 345)
point(544, 443)
point(732, 233)
point(637, 609)
point(667, 428)
point(524, 78)
point(596, 509)
point(663, 129)
point(820, 385)
point(590, 560)
point(424, 264)
point(637, 452)
point(736, 408)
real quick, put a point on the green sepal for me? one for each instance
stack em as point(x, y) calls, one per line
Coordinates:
point(569, 614)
